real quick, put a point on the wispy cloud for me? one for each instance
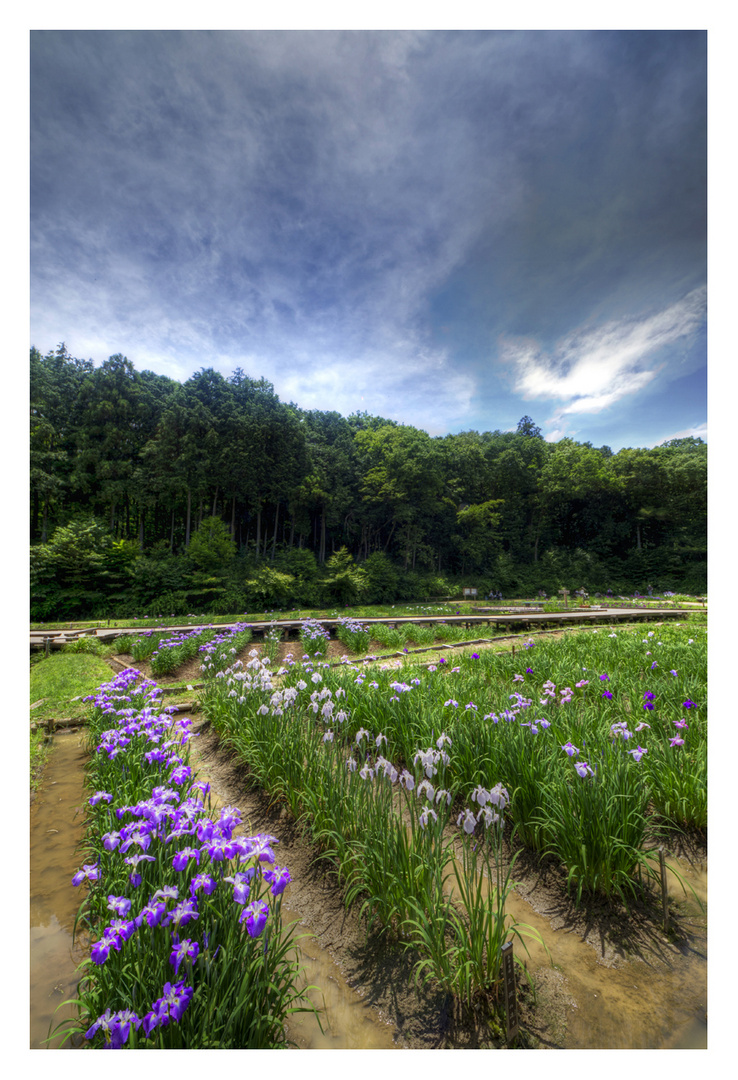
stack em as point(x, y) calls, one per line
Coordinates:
point(697, 432)
point(592, 368)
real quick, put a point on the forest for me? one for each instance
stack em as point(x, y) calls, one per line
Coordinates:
point(150, 496)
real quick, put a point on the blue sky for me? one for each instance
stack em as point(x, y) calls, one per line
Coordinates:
point(450, 229)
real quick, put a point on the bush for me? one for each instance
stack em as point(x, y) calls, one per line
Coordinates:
point(344, 583)
point(382, 578)
point(211, 548)
point(84, 645)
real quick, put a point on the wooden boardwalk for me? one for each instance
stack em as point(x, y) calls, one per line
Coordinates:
point(523, 618)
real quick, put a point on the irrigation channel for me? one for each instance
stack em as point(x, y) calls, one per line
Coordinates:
point(584, 1002)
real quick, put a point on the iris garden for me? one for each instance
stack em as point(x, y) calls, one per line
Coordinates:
point(419, 783)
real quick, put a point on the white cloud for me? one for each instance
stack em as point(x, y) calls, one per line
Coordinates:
point(698, 432)
point(592, 368)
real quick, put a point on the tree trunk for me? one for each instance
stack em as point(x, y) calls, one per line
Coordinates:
point(321, 557)
point(141, 516)
point(189, 518)
point(258, 532)
point(199, 516)
point(215, 502)
point(45, 521)
point(274, 537)
point(171, 535)
point(233, 518)
point(638, 536)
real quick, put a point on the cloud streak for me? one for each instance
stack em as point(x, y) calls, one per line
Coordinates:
point(591, 369)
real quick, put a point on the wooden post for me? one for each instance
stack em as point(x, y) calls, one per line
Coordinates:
point(511, 1000)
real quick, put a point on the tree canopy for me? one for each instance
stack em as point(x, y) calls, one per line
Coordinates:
point(216, 476)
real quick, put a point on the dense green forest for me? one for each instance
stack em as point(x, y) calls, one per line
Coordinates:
point(151, 496)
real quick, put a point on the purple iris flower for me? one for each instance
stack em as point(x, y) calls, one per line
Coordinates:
point(583, 769)
point(607, 694)
point(170, 1006)
point(186, 911)
point(182, 858)
point(204, 882)
point(186, 949)
point(121, 905)
point(156, 755)
point(153, 913)
point(168, 892)
point(101, 949)
point(279, 878)
point(181, 774)
point(570, 749)
point(219, 849)
point(688, 704)
point(100, 796)
point(240, 883)
point(255, 917)
point(89, 872)
point(115, 1027)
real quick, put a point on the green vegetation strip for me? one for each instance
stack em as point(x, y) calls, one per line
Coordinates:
point(183, 908)
point(593, 745)
point(63, 680)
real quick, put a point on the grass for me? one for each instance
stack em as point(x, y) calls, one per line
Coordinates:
point(40, 747)
point(63, 680)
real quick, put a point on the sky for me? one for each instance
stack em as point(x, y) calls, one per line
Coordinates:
point(446, 228)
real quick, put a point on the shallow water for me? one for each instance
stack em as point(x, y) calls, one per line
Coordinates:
point(643, 1004)
point(56, 826)
point(657, 1004)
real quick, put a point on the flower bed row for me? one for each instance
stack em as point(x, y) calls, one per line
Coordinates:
point(189, 949)
point(601, 741)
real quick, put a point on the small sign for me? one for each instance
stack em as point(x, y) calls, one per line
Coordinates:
point(511, 1000)
point(470, 592)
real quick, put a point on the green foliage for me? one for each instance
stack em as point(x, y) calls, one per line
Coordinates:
point(211, 547)
point(267, 588)
point(85, 644)
point(130, 462)
point(344, 582)
point(382, 578)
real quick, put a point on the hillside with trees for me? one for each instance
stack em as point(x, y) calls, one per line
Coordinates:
point(151, 496)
